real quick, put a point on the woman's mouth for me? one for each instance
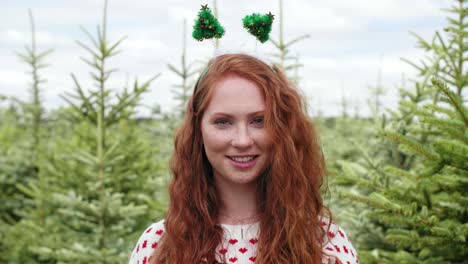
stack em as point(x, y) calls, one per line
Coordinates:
point(244, 161)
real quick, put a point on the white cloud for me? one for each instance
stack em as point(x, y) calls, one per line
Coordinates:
point(15, 37)
point(11, 78)
point(308, 17)
point(387, 9)
point(143, 44)
point(12, 36)
point(179, 13)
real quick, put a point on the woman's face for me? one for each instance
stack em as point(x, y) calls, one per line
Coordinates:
point(234, 136)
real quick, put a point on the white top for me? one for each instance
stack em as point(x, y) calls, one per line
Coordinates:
point(240, 244)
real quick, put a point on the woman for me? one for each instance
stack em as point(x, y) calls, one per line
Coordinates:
point(247, 170)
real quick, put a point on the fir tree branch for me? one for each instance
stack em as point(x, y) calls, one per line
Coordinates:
point(449, 60)
point(411, 144)
point(297, 40)
point(455, 100)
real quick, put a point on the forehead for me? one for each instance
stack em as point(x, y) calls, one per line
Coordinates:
point(234, 94)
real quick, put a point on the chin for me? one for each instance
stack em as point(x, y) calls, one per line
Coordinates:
point(245, 179)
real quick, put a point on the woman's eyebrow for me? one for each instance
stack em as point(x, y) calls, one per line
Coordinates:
point(257, 112)
point(230, 115)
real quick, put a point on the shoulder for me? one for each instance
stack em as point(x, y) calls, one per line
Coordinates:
point(337, 247)
point(147, 243)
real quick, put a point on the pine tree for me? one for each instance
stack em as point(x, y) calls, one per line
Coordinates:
point(100, 180)
point(32, 121)
point(20, 156)
point(344, 103)
point(415, 184)
point(182, 91)
point(215, 13)
point(377, 92)
point(284, 47)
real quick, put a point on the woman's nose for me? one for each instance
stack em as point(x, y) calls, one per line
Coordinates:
point(242, 138)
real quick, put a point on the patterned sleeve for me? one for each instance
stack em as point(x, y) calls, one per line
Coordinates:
point(338, 248)
point(147, 243)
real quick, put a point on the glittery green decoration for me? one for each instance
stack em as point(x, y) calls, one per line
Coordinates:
point(207, 25)
point(259, 25)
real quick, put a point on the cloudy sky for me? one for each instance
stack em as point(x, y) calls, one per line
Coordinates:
point(350, 40)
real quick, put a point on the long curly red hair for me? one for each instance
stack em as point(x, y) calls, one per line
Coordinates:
point(288, 191)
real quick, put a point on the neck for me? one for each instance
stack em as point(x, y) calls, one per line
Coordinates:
point(239, 203)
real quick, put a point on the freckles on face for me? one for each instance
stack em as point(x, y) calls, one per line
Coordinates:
point(234, 136)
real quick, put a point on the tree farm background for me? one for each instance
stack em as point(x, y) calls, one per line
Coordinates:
point(79, 184)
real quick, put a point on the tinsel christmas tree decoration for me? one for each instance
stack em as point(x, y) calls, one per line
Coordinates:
point(259, 25)
point(207, 25)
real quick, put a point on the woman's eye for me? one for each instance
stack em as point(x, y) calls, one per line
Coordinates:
point(222, 122)
point(258, 121)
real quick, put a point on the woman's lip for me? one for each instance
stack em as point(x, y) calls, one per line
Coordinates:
point(243, 165)
point(241, 156)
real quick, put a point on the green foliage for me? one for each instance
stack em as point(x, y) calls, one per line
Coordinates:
point(97, 181)
point(15, 161)
point(412, 187)
point(21, 140)
point(84, 191)
point(207, 25)
point(377, 91)
point(259, 25)
point(343, 139)
point(35, 60)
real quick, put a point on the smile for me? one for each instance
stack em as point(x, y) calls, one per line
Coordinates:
point(243, 159)
point(243, 162)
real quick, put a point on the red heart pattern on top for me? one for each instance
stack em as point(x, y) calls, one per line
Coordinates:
point(337, 249)
point(341, 233)
point(237, 250)
point(253, 241)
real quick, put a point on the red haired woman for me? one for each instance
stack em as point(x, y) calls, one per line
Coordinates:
point(247, 170)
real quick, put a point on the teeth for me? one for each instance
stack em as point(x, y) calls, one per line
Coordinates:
point(243, 159)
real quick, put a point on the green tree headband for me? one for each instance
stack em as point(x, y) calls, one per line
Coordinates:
point(207, 25)
point(259, 25)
